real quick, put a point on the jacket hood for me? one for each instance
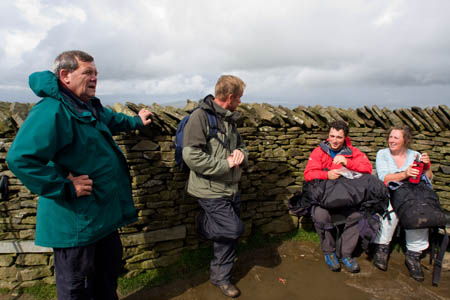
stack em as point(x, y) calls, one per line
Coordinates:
point(44, 84)
point(345, 150)
point(208, 104)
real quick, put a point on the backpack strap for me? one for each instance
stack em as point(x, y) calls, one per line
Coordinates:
point(214, 129)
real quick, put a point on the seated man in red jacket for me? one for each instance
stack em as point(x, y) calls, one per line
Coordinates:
point(324, 163)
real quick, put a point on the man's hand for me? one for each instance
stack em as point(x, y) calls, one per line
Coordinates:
point(82, 184)
point(231, 162)
point(238, 156)
point(334, 174)
point(145, 116)
point(340, 159)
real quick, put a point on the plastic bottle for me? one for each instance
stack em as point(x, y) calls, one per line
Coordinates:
point(418, 165)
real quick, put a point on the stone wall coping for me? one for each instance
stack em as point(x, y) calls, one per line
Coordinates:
point(22, 247)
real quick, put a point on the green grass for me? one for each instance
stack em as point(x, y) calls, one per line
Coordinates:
point(41, 291)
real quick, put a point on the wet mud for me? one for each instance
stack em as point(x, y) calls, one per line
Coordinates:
point(296, 270)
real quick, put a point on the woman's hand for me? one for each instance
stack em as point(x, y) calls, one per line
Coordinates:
point(425, 158)
point(411, 171)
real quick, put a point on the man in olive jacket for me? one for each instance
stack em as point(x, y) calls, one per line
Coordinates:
point(215, 164)
point(65, 153)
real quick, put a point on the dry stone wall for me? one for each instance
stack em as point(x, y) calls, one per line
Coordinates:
point(279, 141)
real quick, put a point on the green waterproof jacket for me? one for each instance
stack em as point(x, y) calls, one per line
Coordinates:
point(54, 140)
point(210, 175)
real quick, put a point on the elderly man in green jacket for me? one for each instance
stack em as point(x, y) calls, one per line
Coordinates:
point(215, 164)
point(65, 153)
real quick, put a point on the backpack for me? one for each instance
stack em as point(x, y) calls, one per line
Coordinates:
point(213, 129)
point(416, 205)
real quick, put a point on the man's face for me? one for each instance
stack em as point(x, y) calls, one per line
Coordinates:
point(233, 102)
point(336, 138)
point(83, 81)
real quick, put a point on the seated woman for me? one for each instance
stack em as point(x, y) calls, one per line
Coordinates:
point(396, 164)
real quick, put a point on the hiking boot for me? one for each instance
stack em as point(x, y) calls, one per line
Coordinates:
point(332, 262)
point(412, 262)
point(381, 256)
point(229, 290)
point(350, 264)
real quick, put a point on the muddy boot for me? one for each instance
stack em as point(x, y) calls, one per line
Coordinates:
point(412, 262)
point(229, 290)
point(381, 256)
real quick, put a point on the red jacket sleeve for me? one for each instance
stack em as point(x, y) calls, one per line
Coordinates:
point(359, 162)
point(314, 167)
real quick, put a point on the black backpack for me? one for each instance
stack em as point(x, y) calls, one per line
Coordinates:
point(416, 205)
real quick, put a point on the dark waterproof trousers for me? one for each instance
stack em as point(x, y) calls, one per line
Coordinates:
point(89, 272)
point(324, 227)
point(219, 221)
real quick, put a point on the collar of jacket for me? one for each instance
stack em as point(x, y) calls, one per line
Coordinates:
point(345, 150)
point(45, 84)
point(208, 104)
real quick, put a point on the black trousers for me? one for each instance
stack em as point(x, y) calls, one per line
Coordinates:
point(89, 272)
point(219, 221)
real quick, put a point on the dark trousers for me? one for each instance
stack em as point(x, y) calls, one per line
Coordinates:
point(89, 272)
point(324, 228)
point(219, 221)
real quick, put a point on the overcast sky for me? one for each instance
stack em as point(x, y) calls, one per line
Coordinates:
point(340, 53)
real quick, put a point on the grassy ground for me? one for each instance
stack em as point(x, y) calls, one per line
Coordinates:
point(191, 261)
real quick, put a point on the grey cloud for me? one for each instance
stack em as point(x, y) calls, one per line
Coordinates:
point(356, 52)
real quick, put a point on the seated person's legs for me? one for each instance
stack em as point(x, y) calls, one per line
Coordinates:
point(350, 238)
point(416, 242)
point(383, 238)
point(322, 223)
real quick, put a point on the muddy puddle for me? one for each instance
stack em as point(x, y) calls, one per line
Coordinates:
point(295, 270)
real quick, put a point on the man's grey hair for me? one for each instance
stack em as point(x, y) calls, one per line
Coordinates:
point(68, 61)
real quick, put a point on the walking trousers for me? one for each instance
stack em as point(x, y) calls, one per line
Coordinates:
point(219, 221)
point(89, 272)
point(349, 237)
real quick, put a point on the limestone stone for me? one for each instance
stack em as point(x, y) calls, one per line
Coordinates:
point(145, 145)
point(7, 260)
point(143, 256)
point(173, 233)
point(9, 273)
point(6, 125)
point(140, 179)
point(445, 169)
point(35, 273)
point(170, 245)
point(118, 107)
point(50, 280)
point(162, 261)
point(19, 112)
point(32, 259)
